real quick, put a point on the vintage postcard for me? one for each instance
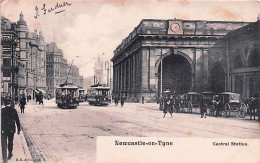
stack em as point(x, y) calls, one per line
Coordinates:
point(130, 81)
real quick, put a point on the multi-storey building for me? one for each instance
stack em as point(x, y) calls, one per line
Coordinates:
point(58, 71)
point(28, 66)
point(33, 59)
point(10, 58)
point(36, 63)
point(23, 51)
point(41, 63)
point(167, 54)
point(234, 62)
point(74, 77)
point(54, 61)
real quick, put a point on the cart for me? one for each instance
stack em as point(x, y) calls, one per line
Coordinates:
point(230, 102)
point(191, 101)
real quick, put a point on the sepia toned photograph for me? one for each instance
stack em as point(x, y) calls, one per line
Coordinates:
point(86, 81)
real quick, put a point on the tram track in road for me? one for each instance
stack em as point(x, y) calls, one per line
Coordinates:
point(186, 128)
point(222, 125)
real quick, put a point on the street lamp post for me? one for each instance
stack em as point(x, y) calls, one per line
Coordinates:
point(161, 72)
point(107, 68)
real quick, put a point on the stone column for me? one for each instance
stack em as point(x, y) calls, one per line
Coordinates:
point(144, 66)
point(198, 71)
point(121, 77)
point(134, 73)
point(152, 70)
point(205, 68)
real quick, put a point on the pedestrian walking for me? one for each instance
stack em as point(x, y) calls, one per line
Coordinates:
point(122, 101)
point(142, 99)
point(9, 117)
point(203, 108)
point(22, 103)
point(16, 100)
point(40, 98)
point(167, 106)
point(116, 101)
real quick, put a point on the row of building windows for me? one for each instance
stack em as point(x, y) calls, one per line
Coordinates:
point(253, 61)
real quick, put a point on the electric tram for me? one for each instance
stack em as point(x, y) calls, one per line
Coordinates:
point(67, 96)
point(98, 95)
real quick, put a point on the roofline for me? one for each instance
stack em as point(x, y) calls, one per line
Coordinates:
point(217, 21)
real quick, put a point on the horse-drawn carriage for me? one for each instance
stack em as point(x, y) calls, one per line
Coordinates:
point(229, 102)
point(190, 101)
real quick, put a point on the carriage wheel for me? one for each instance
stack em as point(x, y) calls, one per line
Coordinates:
point(226, 110)
point(190, 106)
point(242, 110)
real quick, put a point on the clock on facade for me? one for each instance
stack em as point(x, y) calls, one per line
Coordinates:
point(175, 27)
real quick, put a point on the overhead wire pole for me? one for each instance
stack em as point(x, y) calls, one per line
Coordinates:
point(69, 70)
point(107, 68)
point(161, 72)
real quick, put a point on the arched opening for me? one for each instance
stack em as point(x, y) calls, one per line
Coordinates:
point(176, 75)
point(254, 59)
point(217, 79)
point(238, 62)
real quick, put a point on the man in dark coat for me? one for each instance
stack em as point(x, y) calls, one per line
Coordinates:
point(203, 108)
point(22, 103)
point(9, 117)
point(167, 105)
point(116, 100)
point(122, 101)
point(40, 98)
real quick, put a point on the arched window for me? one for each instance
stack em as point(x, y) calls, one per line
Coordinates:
point(254, 59)
point(237, 62)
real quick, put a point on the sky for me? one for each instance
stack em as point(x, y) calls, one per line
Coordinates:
point(92, 28)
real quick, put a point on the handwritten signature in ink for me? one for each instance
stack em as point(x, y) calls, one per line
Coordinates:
point(58, 8)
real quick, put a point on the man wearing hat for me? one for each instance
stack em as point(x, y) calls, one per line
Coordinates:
point(9, 117)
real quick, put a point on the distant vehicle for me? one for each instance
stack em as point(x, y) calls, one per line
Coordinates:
point(82, 97)
point(230, 102)
point(190, 101)
point(67, 96)
point(98, 95)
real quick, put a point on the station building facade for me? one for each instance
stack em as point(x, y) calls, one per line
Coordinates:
point(234, 61)
point(170, 54)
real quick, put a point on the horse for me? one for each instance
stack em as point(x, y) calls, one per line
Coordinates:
point(179, 102)
point(254, 108)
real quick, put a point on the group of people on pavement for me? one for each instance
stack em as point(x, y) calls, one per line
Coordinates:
point(122, 100)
